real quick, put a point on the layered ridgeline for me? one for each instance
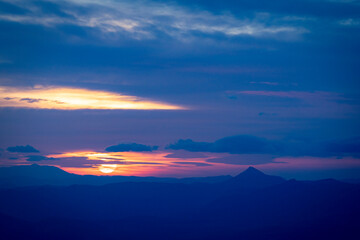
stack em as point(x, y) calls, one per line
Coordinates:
point(251, 205)
point(36, 175)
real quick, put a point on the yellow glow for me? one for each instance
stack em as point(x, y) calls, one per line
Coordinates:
point(107, 168)
point(66, 98)
point(140, 164)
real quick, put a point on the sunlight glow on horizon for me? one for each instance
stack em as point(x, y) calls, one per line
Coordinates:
point(138, 164)
point(107, 168)
point(68, 98)
point(159, 164)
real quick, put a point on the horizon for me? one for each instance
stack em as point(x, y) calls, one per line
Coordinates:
point(251, 168)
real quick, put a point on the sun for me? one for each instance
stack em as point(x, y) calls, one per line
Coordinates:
point(107, 168)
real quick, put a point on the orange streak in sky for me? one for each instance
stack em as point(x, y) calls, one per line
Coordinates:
point(67, 98)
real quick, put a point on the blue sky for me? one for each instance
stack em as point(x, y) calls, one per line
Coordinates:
point(276, 70)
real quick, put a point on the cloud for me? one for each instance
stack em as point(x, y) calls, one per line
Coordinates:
point(142, 163)
point(68, 98)
point(350, 146)
point(80, 162)
point(246, 144)
point(292, 94)
point(190, 145)
point(198, 164)
point(150, 19)
point(23, 149)
point(350, 22)
point(131, 147)
point(266, 83)
point(186, 155)
point(36, 158)
point(240, 144)
point(244, 159)
point(300, 104)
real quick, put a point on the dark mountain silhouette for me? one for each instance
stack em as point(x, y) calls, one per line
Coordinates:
point(351, 180)
point(33, 170)
point(253, 178)
point(252, 206)
point(36, 175)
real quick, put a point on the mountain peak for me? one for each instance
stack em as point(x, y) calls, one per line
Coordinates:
point(252, 177)
point(251, 171)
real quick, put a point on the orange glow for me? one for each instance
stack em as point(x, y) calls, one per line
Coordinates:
point(140, 164)
point(107, 168)
point(66, 98)
point(157, 163)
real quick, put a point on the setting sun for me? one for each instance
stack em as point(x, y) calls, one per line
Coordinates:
point(107, 168)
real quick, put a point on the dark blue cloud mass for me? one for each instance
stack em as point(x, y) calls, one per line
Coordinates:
point(37, 158)
point(131, 147)
point(246, 144)
point(344, 146)
point(244, 159)
point(240, 144)
point(22, 149)
point(198, 164)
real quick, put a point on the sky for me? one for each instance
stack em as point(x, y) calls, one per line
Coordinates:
point(181, 88)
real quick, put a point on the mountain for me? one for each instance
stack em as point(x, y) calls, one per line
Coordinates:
point(36, 175)
point(253, 178)
point(272, 209)
point(351, 180)
point(33, 170)
point(254, 206)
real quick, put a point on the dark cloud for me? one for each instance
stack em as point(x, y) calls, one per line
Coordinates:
point(185, 155)
point(31, 100)
point(198, 164)
point(131, 147)
point(240, 144)
point(190, 145)
point(246, 144)
point(37, 158)
point(22, 149)
point(349, 146)
point(244, 159)
point(143, 163)
point(80, 162)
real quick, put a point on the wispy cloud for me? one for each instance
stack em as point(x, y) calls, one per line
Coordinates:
point(312, 104)
point(66, 98)
point(293, 94)
point(350, 22)
point(146, 19)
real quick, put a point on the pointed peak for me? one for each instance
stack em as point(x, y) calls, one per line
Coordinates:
point(253, 177)
point(252, 170)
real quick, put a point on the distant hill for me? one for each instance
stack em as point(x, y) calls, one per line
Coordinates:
point(36, 175)
point(33, 170)
point(351, 180)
